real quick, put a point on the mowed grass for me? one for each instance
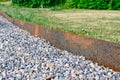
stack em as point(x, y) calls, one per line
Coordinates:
point(100, 24)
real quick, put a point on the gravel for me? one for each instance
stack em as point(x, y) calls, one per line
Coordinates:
point(24, 57)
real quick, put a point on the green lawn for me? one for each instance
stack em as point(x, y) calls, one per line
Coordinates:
point(99, 24)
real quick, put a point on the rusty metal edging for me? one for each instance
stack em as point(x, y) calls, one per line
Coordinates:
point(100, 51)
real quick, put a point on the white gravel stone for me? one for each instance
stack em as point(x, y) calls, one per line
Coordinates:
point(73, 75)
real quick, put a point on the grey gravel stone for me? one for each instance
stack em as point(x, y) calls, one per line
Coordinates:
point(24, 57)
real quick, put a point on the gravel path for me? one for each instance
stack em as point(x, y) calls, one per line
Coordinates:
point(24, 57)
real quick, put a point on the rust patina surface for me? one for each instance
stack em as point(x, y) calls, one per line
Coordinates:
point(100, 51)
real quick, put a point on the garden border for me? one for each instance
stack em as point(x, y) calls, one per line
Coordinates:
point(100, 51)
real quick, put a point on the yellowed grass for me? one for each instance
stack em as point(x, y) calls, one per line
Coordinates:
point(98, 23)
point(6, 3)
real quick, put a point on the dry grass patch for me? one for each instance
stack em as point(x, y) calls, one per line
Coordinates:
point(96, 23)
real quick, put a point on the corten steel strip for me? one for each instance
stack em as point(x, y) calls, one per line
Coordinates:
point(100, 51)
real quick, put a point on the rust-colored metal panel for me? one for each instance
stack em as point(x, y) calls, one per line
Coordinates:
point(103, 52)
point(4, 15)
point(100, 51)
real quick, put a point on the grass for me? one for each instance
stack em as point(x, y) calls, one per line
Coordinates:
point(4, 0)
point(101, 24)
